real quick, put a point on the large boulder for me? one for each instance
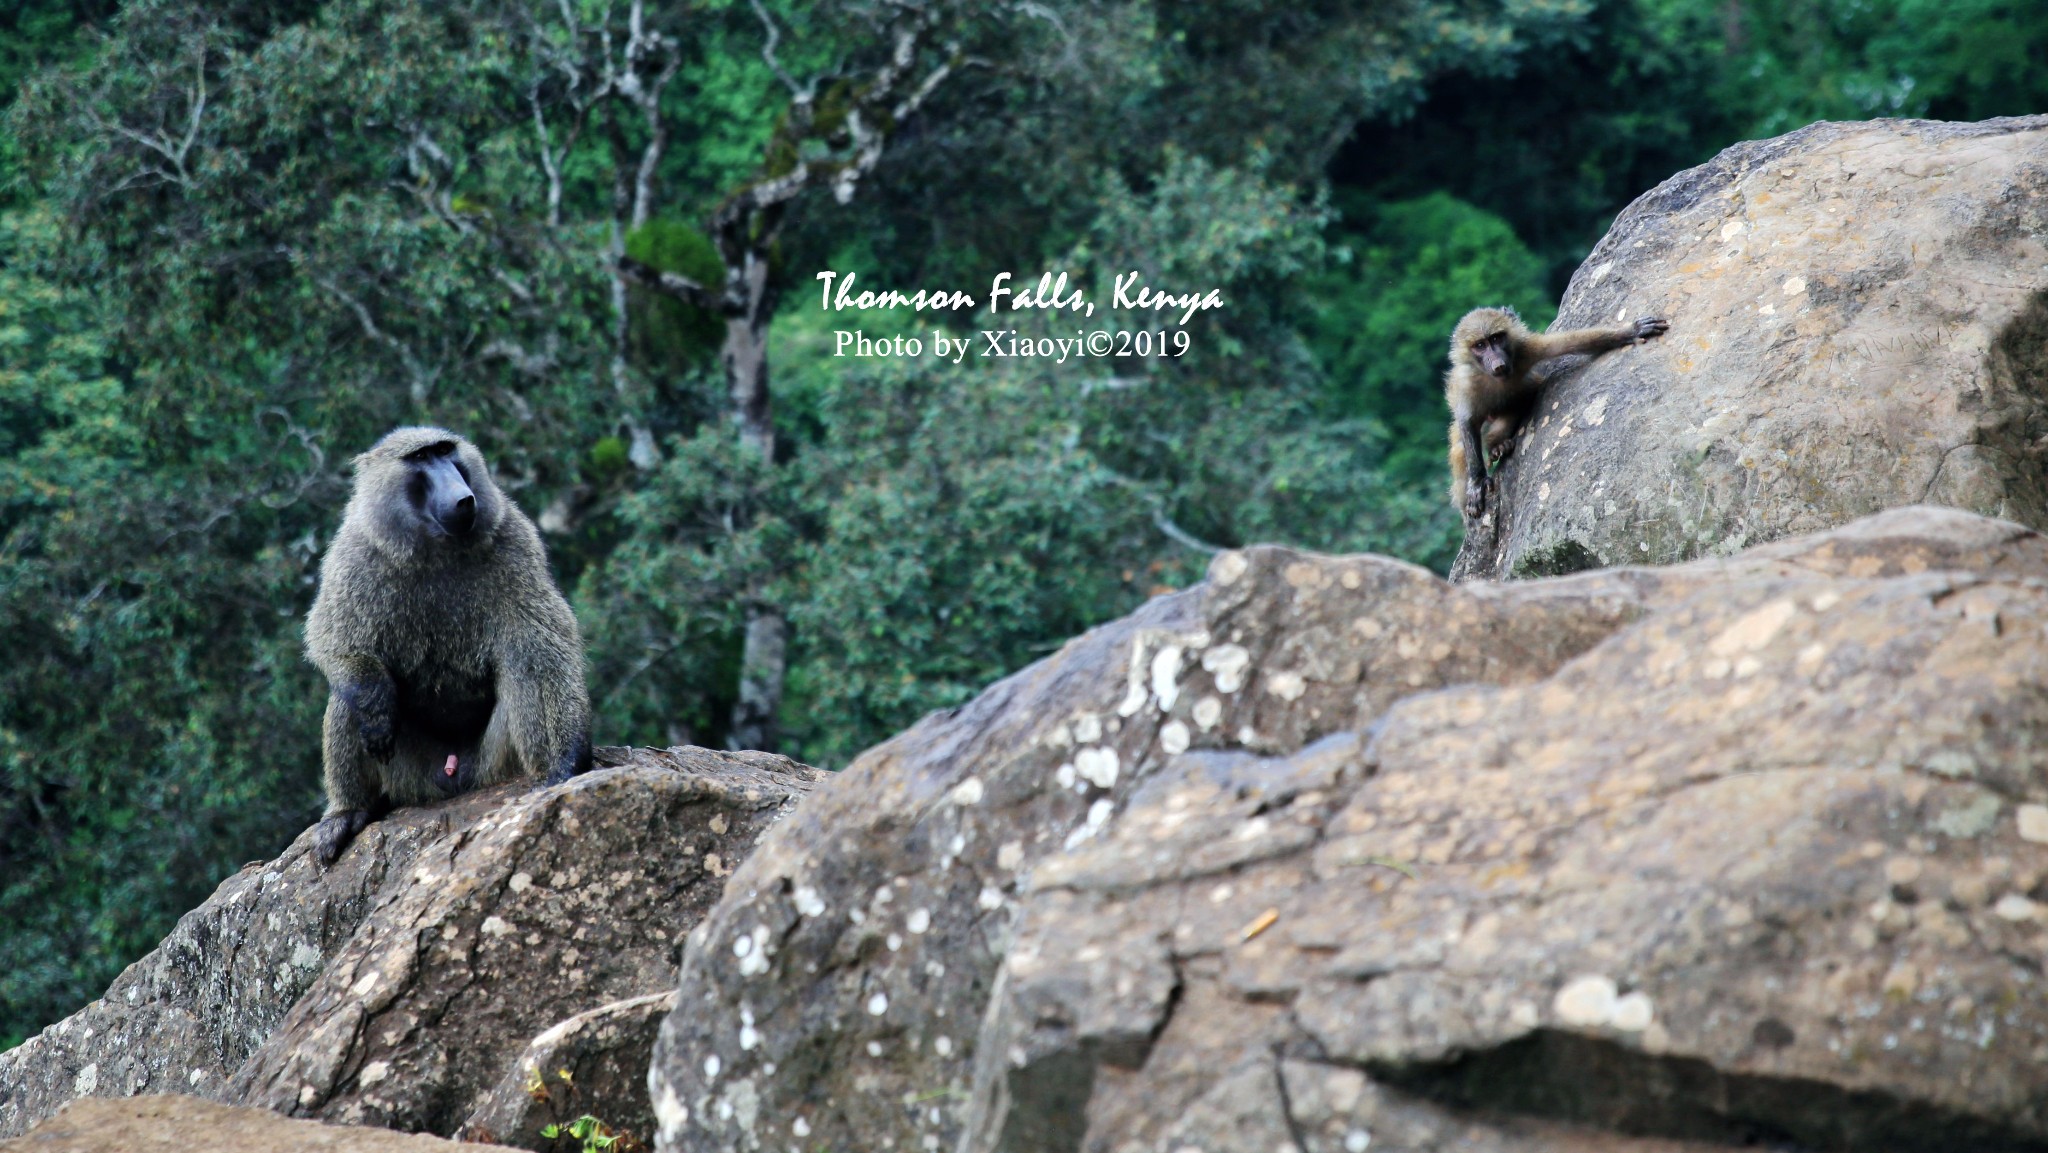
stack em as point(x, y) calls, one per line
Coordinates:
point(1327, 854)
point(1859, 321)
point(172, 1123)
point(400, 986)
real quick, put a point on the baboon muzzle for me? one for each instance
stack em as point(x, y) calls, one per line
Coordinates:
point(450, 503)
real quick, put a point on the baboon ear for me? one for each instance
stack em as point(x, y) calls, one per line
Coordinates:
point(1510, 310)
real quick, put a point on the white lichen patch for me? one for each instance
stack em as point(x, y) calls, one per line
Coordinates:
point(1228, 665)
point(1732, 229)
point(800, 1127)
point(1587, 1002)
point(520, 882)
point(919, 922)
point(1228, 568)
point(368, 981)
point(1165, 676)
point(1753, 630)
point(1098, 766)
point(1793, 286)
point(1288, 686)
point(1010, 855)
point(1087, 728)
point(711, 1067)
point(1065, 776)
point(753, 951)
point(1634, 1012)
point(1174, 738)
point(878, 1004)
point(1971, 819)
point(87, 1080)
point(306, 956)
point(1207, 712)
point(1595, 413)
point(1135, 694)
point(991, 898)
point(374, 1072)
point(2033, 824)
point(967, 792)
point(2016, 907)
point(808, 902)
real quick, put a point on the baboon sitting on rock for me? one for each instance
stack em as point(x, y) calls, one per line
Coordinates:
point(452, 659)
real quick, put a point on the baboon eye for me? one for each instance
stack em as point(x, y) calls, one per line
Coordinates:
point(429, 452)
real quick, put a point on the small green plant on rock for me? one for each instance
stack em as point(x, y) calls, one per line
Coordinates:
point(595, 1136)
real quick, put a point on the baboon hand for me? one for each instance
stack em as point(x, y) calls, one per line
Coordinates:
point(335, 831)
point(1475, 500)
point(1649, 326)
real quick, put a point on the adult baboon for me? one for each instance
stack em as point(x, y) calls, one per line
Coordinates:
point(452, 659)
point(1491, 390)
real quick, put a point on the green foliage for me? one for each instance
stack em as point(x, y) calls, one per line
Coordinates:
point(1784, 63)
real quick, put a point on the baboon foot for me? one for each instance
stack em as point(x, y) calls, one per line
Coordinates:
point(336, 830)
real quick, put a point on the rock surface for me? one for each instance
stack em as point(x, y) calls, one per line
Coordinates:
point(1327, 854)
point(398, 987)
point(1859, 321)
point(180, 1124)
point(592, 1063)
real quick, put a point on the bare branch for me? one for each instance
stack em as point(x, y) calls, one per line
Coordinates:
point(1180, 535)
point(643, 275)
point(422, 381)
point(797, 92)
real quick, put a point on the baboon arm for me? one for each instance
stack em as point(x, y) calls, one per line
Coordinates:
point(546, 717)
point(1592, 341)
point(1474, 455)
point(361, 682)
point(351, 783)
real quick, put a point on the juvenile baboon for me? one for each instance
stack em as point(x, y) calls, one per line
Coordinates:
point(1491, 390)
point(451, 658)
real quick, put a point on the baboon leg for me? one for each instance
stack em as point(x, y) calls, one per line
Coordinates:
point(372, 700)
point(352, 789)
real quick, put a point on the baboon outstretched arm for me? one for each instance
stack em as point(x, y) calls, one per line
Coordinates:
point(362, 683)
point(1592, 341)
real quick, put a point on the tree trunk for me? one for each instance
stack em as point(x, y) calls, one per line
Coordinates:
point(762, 665)
point(745, 356)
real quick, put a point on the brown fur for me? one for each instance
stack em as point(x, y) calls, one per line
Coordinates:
point(437, 645)
point(1487, 407)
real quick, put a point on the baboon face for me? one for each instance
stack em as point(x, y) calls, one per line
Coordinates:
point(426, 487)
point(1485, 337)
point(437, 487)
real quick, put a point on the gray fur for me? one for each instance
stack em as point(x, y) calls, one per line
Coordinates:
point(420, 632)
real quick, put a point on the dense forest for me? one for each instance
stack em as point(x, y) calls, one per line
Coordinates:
point(240, 239)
